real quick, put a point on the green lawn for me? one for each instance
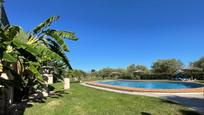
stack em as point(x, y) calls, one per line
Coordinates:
point(201, 81)
point(80, 100)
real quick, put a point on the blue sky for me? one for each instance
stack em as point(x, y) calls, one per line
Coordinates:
point(116, 33)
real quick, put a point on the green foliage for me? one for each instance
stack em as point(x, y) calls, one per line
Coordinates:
point(105, 72)
point(77, 74)
point(156, 76)
point(59, 70)
point(166, 66)
point(163, 69)
point(8, 57)
point(22, 54)
point(134, 68)
point(199, 63)
point(59, 35)
point(93, 73)
point(142, 68)
point(131, 68)
point(45, 24)
point(53, 39)
point(34, 70)
point(14, 48)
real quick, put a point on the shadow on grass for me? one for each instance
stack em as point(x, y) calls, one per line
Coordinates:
point(37, 98)
point(188, 101)
point(75, 82)
point(58, 94)
point(170, 102)
point(192, 102)
point(145, 113)
point(19, 108)
point(188, 112)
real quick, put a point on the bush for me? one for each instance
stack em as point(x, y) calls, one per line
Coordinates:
point(194, 75)
point(137, 77)
point(149, 76)
point(165, 76)
point(157, 76)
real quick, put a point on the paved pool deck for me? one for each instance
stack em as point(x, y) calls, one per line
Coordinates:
point(193, 100)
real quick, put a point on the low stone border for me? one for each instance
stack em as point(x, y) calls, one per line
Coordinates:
point(123, 88)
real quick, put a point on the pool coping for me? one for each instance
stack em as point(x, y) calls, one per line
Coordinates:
point(124, 88)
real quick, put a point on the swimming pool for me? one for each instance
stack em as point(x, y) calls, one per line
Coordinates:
point(150, 86)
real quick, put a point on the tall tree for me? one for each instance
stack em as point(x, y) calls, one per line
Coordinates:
point(199, 63)
point(142, 68)
point(105, 72)
point(132, 68)
point(166, 66)
point(79, 74)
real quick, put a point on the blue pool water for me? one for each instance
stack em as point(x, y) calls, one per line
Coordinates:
point(152, 84)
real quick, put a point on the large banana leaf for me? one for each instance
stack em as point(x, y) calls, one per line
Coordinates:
point(45, 51)
point(9, 57)
point(55, 48)
point(59, 35)
point(34, 70)
point(68, 35)
point(45, 24)
point(13, 31)
point(32, 50)
point(63, 34)
point(20, 39)
point(57, 38)
point(21, 44)
point(26, 54)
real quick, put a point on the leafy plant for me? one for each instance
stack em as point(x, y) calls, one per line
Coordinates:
point(22, 55)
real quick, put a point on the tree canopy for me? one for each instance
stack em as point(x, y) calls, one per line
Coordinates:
point(199, 63)
point(132, 68)
point(166, 66)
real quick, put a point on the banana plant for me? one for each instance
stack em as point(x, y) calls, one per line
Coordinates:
point(54, 39)
point(22, 54)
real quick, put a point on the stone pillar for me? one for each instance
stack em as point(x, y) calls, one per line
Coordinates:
point(66, 83)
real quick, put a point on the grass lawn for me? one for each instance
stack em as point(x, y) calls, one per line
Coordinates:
point(81, 100)
point(201, 81)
